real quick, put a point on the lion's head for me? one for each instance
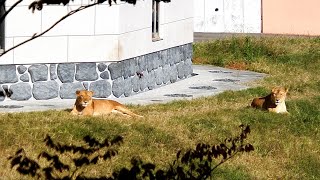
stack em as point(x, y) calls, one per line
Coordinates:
point(278, 95)
point(84, 97)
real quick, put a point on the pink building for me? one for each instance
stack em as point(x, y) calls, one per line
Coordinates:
point(291, 17)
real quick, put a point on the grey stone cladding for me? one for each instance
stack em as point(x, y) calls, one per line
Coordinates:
point(105, 79)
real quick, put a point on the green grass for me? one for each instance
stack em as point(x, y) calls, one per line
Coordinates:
point(286, 146)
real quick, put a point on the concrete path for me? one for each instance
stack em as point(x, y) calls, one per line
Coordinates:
point(206, 81)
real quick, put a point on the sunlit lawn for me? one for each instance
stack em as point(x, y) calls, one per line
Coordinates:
point(286, 146)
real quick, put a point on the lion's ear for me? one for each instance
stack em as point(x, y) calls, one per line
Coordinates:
point(77, 92)
point(286, 89)
point(91, 93)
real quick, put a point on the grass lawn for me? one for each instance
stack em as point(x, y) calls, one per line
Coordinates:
point(286, 146)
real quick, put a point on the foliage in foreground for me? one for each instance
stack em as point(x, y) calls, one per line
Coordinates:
point(195, 163)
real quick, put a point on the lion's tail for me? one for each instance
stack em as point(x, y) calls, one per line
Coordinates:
point(125, 110)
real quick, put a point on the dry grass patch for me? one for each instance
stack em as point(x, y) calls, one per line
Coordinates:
point(286, 146)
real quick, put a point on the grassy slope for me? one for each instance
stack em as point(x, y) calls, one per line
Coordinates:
point(287, 146)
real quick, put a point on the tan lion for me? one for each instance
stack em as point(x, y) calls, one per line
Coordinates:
point(87, 106)
point(274, 102)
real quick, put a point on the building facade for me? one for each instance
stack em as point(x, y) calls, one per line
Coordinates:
point(227, 16)
point(291, 17)
point(117, 50)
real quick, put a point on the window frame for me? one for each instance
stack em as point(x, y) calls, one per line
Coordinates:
point(155, 20)
point(2, 28)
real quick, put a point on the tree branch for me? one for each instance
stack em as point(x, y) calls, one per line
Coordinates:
point(7, 12)
point(47, 30)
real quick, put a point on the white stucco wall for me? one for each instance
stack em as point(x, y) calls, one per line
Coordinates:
point(176, 27)
point(232, 16)
point(100, 33)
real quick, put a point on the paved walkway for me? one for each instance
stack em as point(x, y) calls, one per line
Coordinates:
point(206, 81)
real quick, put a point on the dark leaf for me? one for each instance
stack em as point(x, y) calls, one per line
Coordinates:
point(45, 155)
point(178, 154)
point(185, 158)
point(117, 140)
point(247, 130)
point(148, 166)
point(19, 151)
point(81, 161)
point(15, 161)
point(249, 148)
point(95, 160)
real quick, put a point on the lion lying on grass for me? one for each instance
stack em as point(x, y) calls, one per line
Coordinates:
point(87, 106)
point(274, 102)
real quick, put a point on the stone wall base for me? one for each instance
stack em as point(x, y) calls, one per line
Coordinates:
point(106, 79)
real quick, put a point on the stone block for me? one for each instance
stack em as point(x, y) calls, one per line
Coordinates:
point(129, 67)
point(86, 72)
point(66, 72)
point(101, 89)
point(25, 77)
point(102, 67)
point(152, 61)
point(151, 80)
point(2, 94)
point(189, 51)
point(181, 68)
point(68, 90)
point(117, 87)
point(173, 73)
point(45, 90)
point(127, 88)
point(8, 74)
point(38, 72)
point(163, 58)
point(21, 69)
point(159, 76)
point(142, 64)
point(85, 85)
point(20, 91)
point(171, 56)
point(188, 64)
point(135, 83)
point(143, 81)
point(116, 70)
point(53, 73)
point(166, 74)
point(104, 75)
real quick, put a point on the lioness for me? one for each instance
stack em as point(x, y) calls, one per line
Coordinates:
point(87, 106)
point(274, 102)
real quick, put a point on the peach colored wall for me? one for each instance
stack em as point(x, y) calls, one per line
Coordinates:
point(291, 17)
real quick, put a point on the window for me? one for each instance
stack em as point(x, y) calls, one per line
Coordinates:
point(155, 21)
point(2, 38)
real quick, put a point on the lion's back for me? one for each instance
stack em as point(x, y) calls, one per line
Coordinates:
point(103, 106)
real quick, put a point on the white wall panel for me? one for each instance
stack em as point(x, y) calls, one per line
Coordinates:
point(252, 16)
point(233, 16)
point(214, 16)
point(50, 15)
point(172, 34)
point(176, 10)
point(80, 23)
point(107, 19)
point(21, 22)
point(41, 50)
point(93, 48)
point(26, 3)
point(199, 16)
point(136, 17)
point(8, 57)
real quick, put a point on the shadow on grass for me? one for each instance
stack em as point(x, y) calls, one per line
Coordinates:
point(199, 163)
